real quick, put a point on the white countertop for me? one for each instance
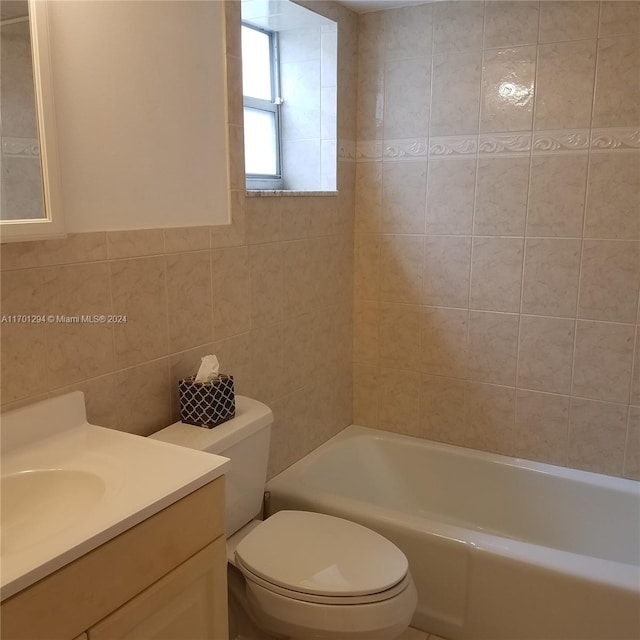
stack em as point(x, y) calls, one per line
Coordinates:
point(131, 478)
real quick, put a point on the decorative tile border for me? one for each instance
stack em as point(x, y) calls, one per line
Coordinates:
point(368, 150)
point(560, 141)
point(453, 146)
point(347, 150)
point(514, 144)
point(20, 147)
point(615, 139)
point(504, 144)
point(404, 149)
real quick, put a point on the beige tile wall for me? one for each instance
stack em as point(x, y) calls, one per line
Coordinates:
point(496, 254)
point(271, 294)
point(497, 247)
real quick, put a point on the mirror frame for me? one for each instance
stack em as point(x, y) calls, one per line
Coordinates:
point(51, 226)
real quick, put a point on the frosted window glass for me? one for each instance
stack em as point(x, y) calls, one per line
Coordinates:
point(260, 142)
point(256, 64)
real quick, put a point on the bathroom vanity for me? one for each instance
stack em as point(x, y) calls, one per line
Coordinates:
point(142, 555)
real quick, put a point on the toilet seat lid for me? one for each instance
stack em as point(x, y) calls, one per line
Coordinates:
point(318, 554)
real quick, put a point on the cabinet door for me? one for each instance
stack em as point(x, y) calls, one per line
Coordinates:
point(189, 603)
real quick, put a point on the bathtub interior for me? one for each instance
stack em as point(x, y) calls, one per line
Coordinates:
point(528, 502)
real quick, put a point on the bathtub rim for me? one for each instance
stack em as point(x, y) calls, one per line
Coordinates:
point(598, 570)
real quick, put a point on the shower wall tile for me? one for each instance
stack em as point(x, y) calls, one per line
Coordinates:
point(490, 417)
point(366, 332)
point(508, 23)
point(399, 401)
point(501, 196)
point(370, 98)
point(619, 18)
point(613, 197)
point(557, 195)
point(408, 32)
point(450, 196)
point(446, 271)
point(617, 99)
point(443, 409)
point(610, 280)
point(493, 347)
point(368, 210)
point(545, 354)
point(457, 26)
point(401, 268)
point(551, 276)
point(366, 278)
point(404, 186)
point(564, 89)
point(569, 20)
point(407, 96)
point(632, 451)
point(603, 360)
point(399, 326)
point(508, 89)
point(542, 427)
point(455, 101)
point(635, 380)
point(597, 434)
point(444, 341)
point(528, 281)
point(496, 274)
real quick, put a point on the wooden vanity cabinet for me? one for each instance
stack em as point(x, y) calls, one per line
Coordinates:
point(164, 578)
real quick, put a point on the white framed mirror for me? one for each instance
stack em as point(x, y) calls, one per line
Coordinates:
point(31, 206)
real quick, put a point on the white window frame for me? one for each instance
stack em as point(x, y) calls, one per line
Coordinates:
point(268, 181)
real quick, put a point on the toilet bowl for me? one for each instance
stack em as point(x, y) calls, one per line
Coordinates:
point(310, 575)
point(298, 574)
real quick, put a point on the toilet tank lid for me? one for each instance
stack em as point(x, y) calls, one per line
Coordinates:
point(251, 416)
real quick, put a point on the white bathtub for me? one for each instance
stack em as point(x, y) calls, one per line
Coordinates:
point(499, 548)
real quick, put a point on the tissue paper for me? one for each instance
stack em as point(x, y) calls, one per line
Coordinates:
point(209, 369)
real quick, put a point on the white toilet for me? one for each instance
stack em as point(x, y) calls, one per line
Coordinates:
point(299, 574)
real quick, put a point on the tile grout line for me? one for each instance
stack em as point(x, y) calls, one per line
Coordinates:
point(584, 226)
point(524, 231)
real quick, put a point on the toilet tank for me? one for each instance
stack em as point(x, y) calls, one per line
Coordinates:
point(245, 440)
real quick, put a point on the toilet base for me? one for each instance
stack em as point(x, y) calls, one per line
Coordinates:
point(270, 616)
point(241, 624)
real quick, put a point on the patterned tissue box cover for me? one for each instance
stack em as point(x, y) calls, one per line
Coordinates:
point(207, 404)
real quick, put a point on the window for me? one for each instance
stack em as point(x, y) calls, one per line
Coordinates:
point(260, 81)
point(289, 74)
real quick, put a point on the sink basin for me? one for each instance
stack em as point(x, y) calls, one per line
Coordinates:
point(37, 504)
point(69, 486)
